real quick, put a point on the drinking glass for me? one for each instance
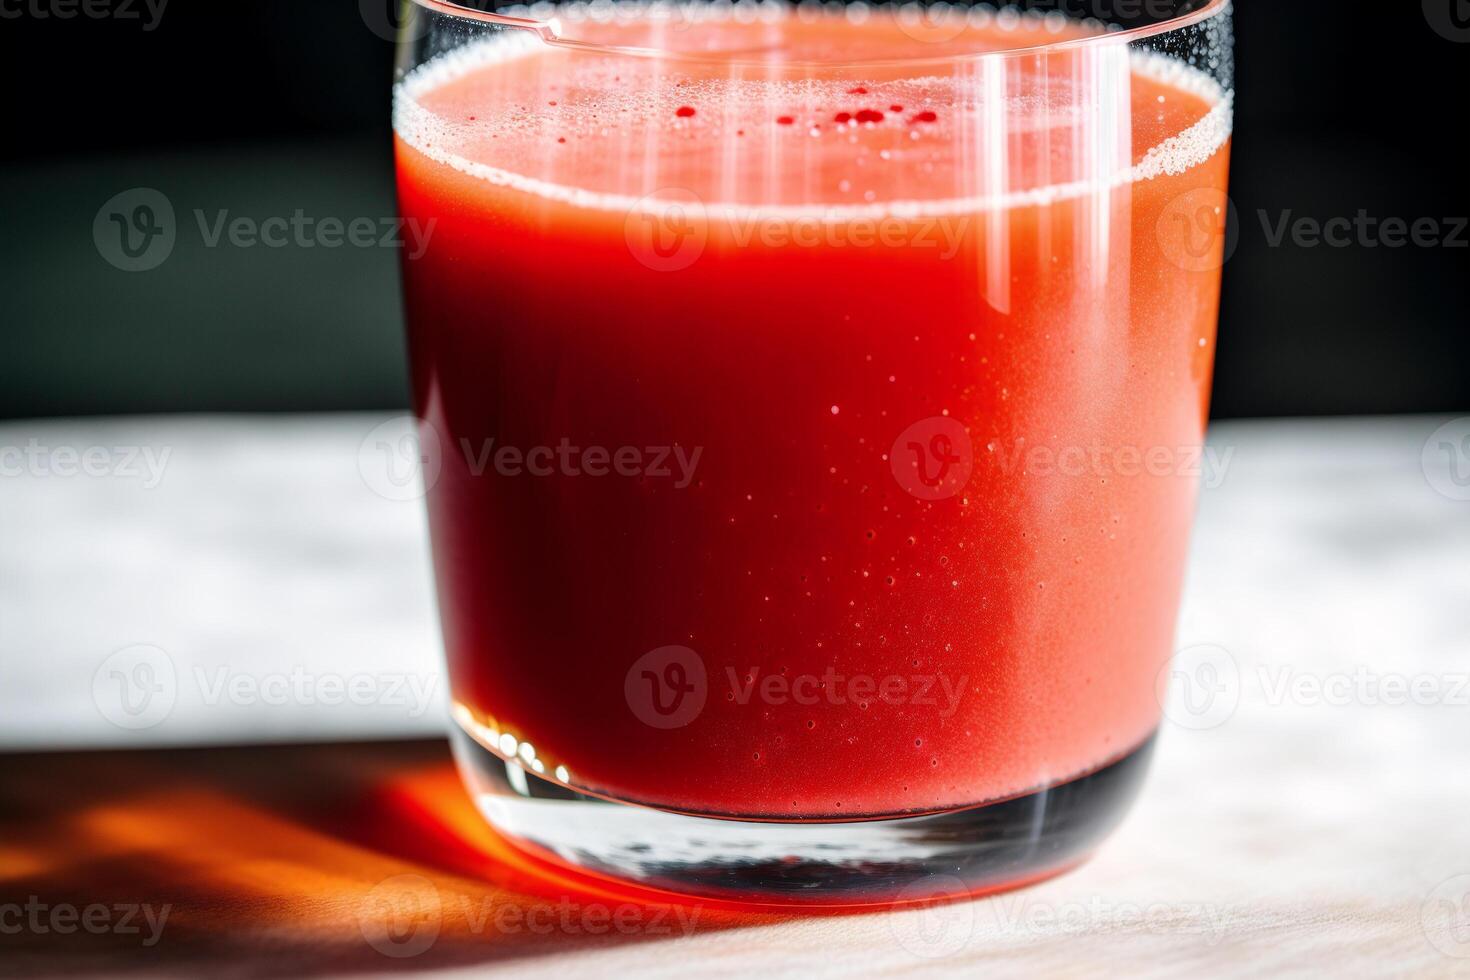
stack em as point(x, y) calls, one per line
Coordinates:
point(816, 396)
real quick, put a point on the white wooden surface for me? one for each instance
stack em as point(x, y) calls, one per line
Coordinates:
point(1313, 818)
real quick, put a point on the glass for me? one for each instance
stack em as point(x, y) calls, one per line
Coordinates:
point(817, 395)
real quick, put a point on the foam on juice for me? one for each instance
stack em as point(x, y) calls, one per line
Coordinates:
point(788, 138)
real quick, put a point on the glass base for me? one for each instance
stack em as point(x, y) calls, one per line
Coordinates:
point(968, 851)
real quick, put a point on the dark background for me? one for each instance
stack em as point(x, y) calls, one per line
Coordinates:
point(266, 106)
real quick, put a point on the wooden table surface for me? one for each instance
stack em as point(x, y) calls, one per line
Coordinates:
point(1310, 817)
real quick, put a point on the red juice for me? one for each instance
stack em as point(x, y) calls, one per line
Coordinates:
point(876, 391)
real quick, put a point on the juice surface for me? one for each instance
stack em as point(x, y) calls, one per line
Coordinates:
point(885, 338)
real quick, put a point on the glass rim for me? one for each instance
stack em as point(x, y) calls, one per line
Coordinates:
point(549, 31)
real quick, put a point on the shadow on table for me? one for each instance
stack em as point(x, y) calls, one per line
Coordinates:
point(289, 860)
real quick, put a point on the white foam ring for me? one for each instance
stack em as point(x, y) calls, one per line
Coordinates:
point(419, 127)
